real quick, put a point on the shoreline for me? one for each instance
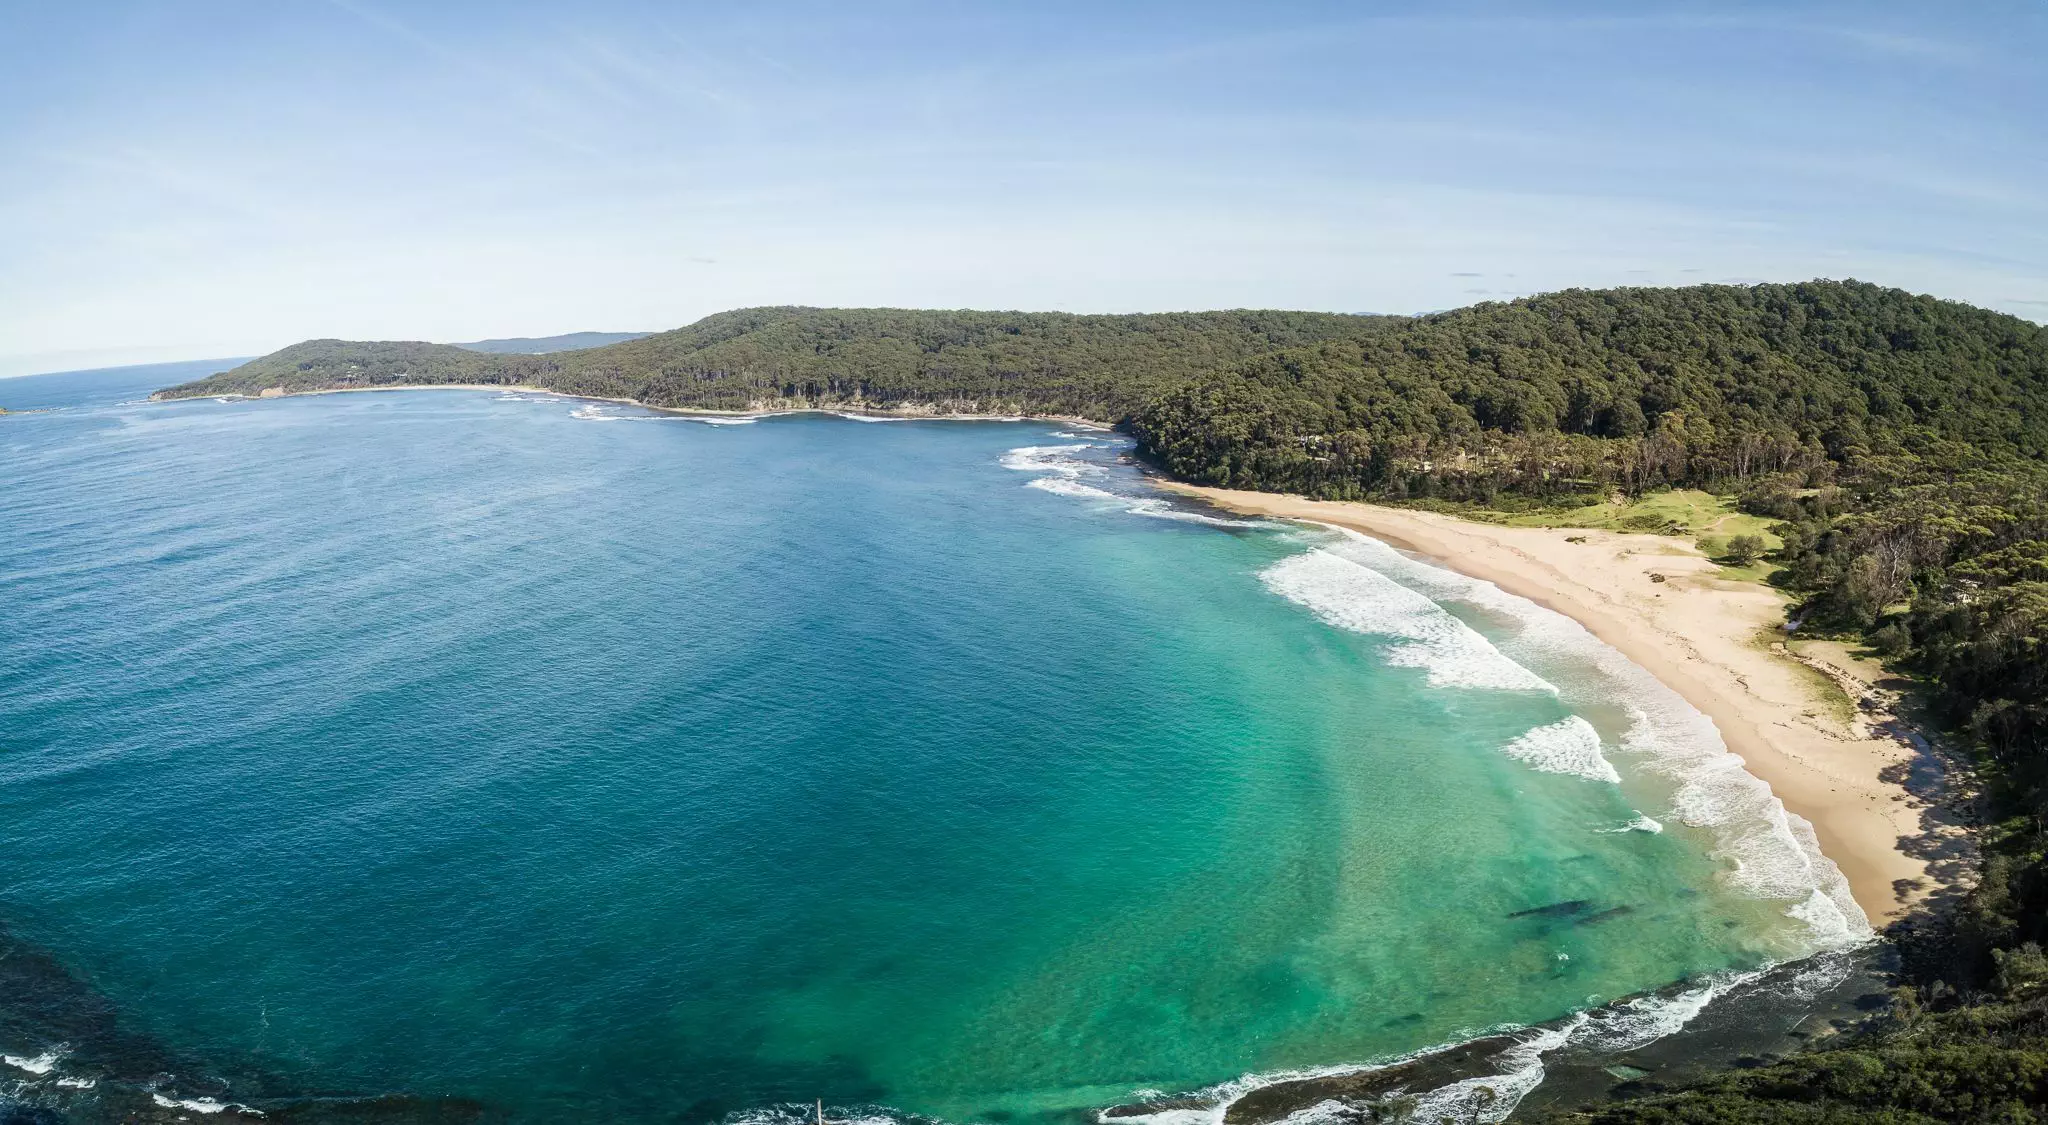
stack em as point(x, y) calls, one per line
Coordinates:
point(684, 411)
point(1719, 644)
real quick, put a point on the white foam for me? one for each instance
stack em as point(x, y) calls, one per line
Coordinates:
point(852, 416)
point(1057, 459)
point(1640, 823)
point(1329, 1111)
point(1137, 506)
point(593, 412)
point(1067, 469)
point(1422, 634)
point(1162, 509)
point(1614, 1029)
point(1770, 853)
point(802, 1115)
point(1488, 1098)
point(1636, 1023)
point(202, 1105)
point(1217, 1099)
point(40, 1064)
point(1491, 1098)
point(1067, 486)
point(1568, 746)
point(78, 1083)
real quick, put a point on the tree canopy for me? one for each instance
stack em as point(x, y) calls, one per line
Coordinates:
point(1098, 367)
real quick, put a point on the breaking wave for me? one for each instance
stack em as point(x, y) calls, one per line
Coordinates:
point(1771, 853)
point(199, 1105)
point(37, 1064)
point(1419, 632)
point(1064, 471)
point(1569, 746)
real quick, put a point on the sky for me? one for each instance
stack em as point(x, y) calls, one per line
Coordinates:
point(217, 178)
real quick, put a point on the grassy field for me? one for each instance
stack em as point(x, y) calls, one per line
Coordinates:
point(1702, 518)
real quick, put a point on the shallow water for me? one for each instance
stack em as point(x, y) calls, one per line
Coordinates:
point(588, 761)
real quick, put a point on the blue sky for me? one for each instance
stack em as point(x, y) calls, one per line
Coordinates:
point(218, 178)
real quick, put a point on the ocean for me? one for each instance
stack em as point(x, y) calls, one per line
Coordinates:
point(582, 762)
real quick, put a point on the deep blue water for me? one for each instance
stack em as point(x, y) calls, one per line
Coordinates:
point(102, 386)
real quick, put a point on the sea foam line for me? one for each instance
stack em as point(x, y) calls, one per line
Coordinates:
point(1485, 1099)
point(203, 1105)
point(1771, 852)
point(1518, 1068)
point(1064, 479)
point(1609, 1030)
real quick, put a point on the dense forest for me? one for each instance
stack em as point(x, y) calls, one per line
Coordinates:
point(882, 359)
point(1585, 391)
point(1901, 443)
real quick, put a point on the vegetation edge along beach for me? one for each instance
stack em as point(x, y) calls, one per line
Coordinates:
point(1890, 445)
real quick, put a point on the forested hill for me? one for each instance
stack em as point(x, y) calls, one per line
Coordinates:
point(779, 358)
point(1583, 390)
point(537, 345)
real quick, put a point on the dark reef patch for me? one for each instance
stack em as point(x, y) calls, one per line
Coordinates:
point(103, 1072)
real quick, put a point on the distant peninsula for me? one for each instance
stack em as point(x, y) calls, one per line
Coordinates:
point(907, 360)
point(542, 345)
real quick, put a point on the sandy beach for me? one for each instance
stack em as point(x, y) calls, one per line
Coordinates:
point(1718, 643)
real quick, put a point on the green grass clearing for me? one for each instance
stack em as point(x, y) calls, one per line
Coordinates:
point(1706, 520)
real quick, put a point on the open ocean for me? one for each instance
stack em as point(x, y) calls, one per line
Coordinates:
point(596, 764)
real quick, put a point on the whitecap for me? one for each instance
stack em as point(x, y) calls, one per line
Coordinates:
point(202, 1105)
point(1135, 505)
point(1218, 1099)
point(1641, 822)
point(1491, 1098)
point(40, 1064)
point(1488, 1098)
point(802, 1115)
point(78, 1083)
point(1049, 459)
point(1067, 486)
point(1163, 509)
point(1568, 746)
point(1422, 634)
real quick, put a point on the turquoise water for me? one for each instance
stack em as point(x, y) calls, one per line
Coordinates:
point(593, 763)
